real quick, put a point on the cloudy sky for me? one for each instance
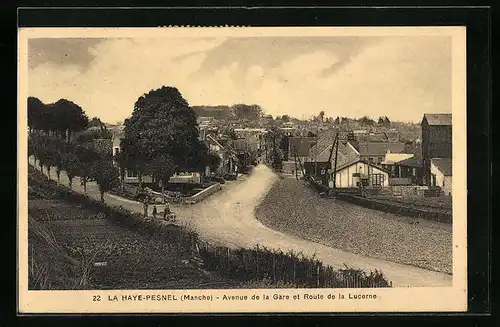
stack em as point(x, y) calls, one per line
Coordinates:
point(399, 77)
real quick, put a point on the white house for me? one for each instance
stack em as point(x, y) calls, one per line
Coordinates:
point(441, 174)
point(352, 174)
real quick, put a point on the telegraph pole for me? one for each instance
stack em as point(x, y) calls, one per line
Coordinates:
point(295, 160)
point(335, 163)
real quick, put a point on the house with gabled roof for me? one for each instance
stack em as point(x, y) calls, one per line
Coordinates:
point(227, 154)
point(317, 162)
point(375, 151)
point(359, 172)
point(300, 146)
point(405, 168)
point(441, 174)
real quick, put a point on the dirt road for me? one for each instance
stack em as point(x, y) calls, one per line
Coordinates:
point(228, 217)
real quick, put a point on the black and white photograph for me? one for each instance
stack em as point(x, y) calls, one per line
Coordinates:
point(177, 164)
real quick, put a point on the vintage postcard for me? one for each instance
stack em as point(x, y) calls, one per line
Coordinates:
point(233, 170)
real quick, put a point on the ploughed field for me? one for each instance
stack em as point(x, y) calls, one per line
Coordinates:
point(292, 207)
point(116, 257)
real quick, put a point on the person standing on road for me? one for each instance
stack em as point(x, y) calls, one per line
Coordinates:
point(155, 212)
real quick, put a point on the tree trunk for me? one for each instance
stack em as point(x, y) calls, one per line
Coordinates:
point(122, 183)
point(163, 192)
point(70, 182)
point(139, 177)
point(145, 206)
point(102, 196)
point(58, 173)
point(84, 186)
point(48, 172)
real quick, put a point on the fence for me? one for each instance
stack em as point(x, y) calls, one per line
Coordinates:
point(293, 270)
point(416, 191)
point(400, 181)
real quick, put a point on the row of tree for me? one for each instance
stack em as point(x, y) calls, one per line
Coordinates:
point(238, 111)
point(80, 160)
point(61, 119)
point(365, 121)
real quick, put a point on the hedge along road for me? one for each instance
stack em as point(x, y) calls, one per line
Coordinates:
point(228, 218)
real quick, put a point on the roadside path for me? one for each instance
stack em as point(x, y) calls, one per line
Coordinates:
point(228, 217)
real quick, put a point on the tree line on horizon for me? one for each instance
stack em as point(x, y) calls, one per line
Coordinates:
point(255, 113)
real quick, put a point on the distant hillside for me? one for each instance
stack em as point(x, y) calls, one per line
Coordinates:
point(213, 111)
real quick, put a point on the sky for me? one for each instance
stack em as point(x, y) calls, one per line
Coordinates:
point(399, 77)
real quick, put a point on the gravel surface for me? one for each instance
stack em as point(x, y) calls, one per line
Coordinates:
point(294, 208)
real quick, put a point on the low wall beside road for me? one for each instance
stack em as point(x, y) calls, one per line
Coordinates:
point(205, 193)
point(396, 208)
point(352, 196)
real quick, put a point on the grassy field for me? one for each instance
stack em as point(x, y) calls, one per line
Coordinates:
point(294, 208)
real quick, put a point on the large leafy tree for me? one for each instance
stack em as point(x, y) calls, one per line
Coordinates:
point(50, 155)
point(244, 111)
point(61, 118)
point(213, 161)
point(105, 175)
point(366, 121)
point(321, 116)
point(163, 124)
point(70, 118)
point(35, 112)
point(57, 160)
point(87, 158)
point(381, 121)
point(70, 165)
point(387, 122)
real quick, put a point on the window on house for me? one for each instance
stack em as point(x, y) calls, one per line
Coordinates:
point(377, 179)
point(131, 173)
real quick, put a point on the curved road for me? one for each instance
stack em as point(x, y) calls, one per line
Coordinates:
point(228, 217)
